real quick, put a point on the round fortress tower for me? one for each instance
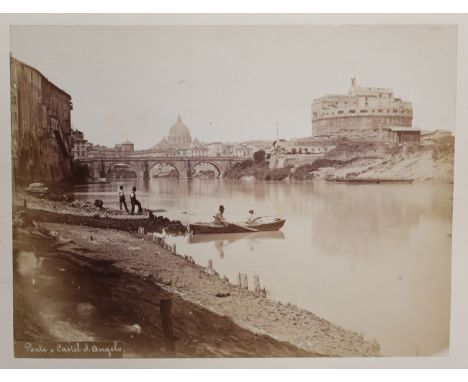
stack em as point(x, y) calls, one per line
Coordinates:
point(363, 113)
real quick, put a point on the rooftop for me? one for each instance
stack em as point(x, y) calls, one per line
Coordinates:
point(411, 129)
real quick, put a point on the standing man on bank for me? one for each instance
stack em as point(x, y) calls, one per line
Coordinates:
point(134, 201)
point(122, 199)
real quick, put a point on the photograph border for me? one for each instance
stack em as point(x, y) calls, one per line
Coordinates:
point(458, 355)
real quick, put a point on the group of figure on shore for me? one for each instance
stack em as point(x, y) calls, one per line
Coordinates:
point(133, 201)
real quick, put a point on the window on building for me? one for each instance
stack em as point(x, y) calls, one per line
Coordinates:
point(352, 111)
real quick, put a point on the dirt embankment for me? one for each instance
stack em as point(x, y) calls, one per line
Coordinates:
point(139, 256)
point(249, 169)
point(417, 164)
point(84, 213)
point(74, 297)
point(362, 161)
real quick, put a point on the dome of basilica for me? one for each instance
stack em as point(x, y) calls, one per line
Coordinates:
point(179, 134)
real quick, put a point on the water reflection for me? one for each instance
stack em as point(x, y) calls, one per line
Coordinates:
point(222, 241)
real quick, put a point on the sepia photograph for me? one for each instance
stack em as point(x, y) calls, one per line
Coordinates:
point(232, 191)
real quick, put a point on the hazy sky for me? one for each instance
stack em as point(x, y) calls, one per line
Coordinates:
point(234, 83)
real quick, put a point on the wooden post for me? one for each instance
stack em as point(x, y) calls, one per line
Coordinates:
point(245, 282)
point(239, 280)
point(210, 267)
point(25, 203)
point(256, 284)
point(165, 307)
point(174, 248)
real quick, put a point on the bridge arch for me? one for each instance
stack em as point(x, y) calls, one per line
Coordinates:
point(200, 162)
point(123, 166)
point(166, 163)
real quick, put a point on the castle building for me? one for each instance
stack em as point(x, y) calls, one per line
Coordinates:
point(125, 147)
point(363, 113)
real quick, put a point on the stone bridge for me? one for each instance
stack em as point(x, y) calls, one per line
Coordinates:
point(101, 167)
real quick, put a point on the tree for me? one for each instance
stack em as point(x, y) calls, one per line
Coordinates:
point(259, 156)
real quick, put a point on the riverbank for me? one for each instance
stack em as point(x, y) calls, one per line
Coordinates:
point(140, 257)
point(424, 164)
point(61, 295)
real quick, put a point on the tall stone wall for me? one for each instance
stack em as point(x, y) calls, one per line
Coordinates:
point(40, 127)
point(357, 126)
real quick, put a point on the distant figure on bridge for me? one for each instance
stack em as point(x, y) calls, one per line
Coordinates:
point(122, 199)
point(135, 202)
point(219, 217)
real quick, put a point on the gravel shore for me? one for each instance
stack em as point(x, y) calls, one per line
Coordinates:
point(140, 256)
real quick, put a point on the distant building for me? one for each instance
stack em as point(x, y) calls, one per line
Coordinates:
point(215, 149)
point(80, 145)
point(125, 147)
point(40, 126)
point(99, 151)
point(305, 146)
point(363, 113)
point(402, 135)
point(259, 144)
point(242, 151)
point(194, 151)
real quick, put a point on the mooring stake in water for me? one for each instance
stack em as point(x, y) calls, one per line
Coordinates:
point(174, 248)
point(210, 267)
point(256, 284)
point(165, 307)
point(245, 282)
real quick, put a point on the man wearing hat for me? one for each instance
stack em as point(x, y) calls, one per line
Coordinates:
point(219, 217)
point(251, 218)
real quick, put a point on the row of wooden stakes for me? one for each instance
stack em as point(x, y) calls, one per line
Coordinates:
point(242, 279)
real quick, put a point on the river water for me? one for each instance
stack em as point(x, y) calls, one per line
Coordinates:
point(375, 259)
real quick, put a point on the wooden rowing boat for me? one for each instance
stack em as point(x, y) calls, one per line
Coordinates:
point(261, 225)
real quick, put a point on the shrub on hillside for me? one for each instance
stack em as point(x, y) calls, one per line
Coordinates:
point(259, 156)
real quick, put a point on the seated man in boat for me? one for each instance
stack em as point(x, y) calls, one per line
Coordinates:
point(219, 217)
point(252, 218)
